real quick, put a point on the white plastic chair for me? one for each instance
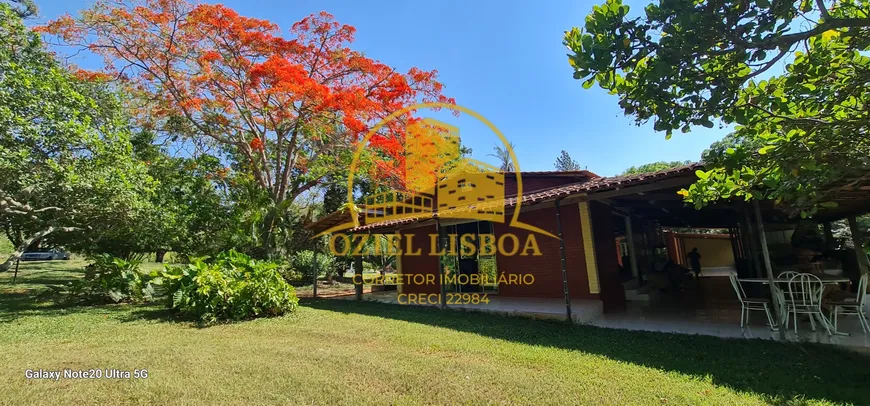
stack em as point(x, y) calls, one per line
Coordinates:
point(784, 294)
point(852, 306)
point(805, 297)
point(747, 304)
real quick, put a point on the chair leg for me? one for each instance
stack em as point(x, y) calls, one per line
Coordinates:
point(812, 322)
point(742, 314)
point(834, 316)
point(825, 323)
point(794, 316)
point(865, 326)
point(769, 317)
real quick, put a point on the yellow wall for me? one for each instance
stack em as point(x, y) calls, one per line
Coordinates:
point(714, 251)
point(589, 248)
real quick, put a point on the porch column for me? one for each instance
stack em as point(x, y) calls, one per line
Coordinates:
point(753, 244)
point(399, 284)
point(316, 269)
point(829, 235)
point(732, 237)
point(863, 261)
point(358, 270)
point(439, 244)
point(564, 261)
point(768, 266)
point(632, 250)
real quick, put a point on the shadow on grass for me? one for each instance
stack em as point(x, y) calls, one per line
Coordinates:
point(17, 302)
point(785, 372)
point(156, 311)
point(39, 290)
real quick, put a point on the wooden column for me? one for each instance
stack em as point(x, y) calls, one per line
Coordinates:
point(564, 262)
point(829, 235)
point(863, 261)
point(399, 286)
point(753, 244)
point(735, 252)
point(768, 266)
point(632, 250)
point(316, 269)
point(440, 244)
point(358, 270)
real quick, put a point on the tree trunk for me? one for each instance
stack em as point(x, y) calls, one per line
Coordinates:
point(358, 270)
point(160, 255)
point(29, 241)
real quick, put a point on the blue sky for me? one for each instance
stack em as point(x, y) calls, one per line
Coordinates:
point(502, 59)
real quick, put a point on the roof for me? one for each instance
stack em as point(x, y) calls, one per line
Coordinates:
point(566, 174)
point(852, 199)
point(333, 219)
point(598, 184)
point(641, 177)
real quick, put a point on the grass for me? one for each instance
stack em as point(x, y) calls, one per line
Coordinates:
point(6, 247)
point(344, 352)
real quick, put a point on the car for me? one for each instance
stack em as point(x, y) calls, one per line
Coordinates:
point(45, 255)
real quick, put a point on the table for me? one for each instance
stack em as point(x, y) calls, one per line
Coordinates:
point(827, 280)
point(824, 279)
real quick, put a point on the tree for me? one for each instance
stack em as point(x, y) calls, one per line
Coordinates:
point(654, 167)
point(685, 63)
point(190, 211)
point(503, 155)
point(25, 8)
point(65, 151)
point(841, 231)
point(565, 163)
point(288, 110)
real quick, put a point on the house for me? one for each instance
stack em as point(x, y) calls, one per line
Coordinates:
point(599, 240)
point(578, 208)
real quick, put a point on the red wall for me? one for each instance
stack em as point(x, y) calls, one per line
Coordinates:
point(424, 263)
point(547, 268)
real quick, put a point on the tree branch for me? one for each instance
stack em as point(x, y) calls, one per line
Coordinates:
point(27, 242)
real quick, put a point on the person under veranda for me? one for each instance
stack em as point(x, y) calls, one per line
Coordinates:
point(695, 261)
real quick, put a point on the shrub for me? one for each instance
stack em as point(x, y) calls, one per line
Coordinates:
point(303, 264)
point(232, 287)
point(110, 278)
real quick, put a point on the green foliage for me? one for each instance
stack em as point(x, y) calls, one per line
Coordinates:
point(111, 279)
point(303, 264)
point(654, 167)
point(190, 212)
point(65, 151)
point(488, 268)
point(791, 76)
point(24, 8)
point(232, 287)
point(565, 163)
point(843, 233)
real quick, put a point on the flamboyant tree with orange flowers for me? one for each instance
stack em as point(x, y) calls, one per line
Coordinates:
point(288, 108)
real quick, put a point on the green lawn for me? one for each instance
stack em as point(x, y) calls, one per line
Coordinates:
point(343, 352)
point(6, 247)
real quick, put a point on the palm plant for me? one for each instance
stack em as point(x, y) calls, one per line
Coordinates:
point(503, 154)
